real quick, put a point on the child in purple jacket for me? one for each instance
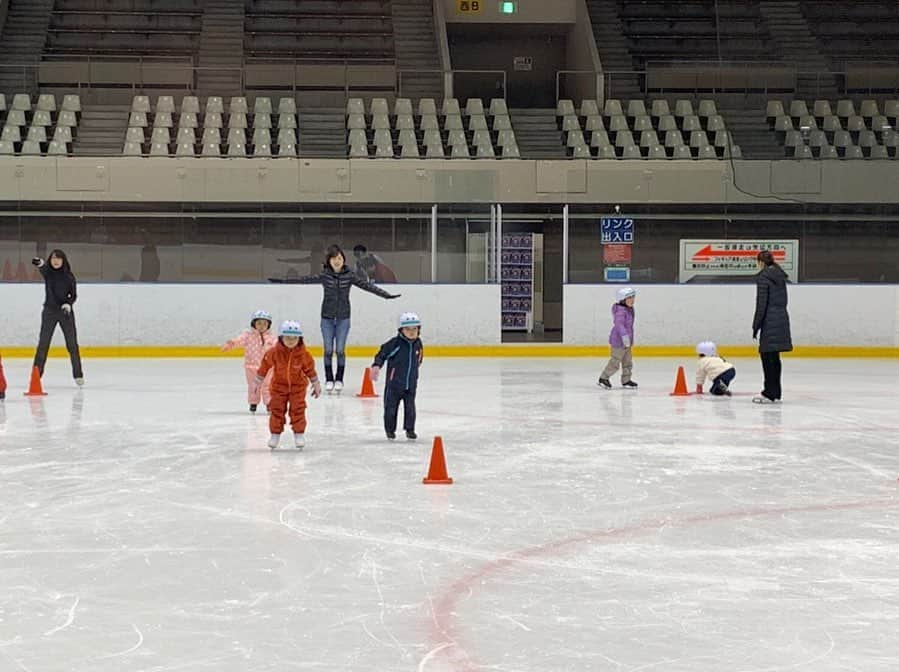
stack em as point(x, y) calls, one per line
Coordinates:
point(621, 339)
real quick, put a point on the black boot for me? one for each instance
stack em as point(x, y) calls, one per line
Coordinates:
point(253, 408)
point(410, 434)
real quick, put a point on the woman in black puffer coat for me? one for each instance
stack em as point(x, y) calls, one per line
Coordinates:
point(337, 279)
point(773, 321)
point(60, 294)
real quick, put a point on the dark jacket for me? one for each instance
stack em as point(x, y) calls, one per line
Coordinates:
point(337, 284)
point(59, 285)
point(771, 316)
point(403, 358)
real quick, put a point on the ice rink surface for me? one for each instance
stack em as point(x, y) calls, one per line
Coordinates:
point(145, 526)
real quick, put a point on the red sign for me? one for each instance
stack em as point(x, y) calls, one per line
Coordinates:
point(614, 254)
point(708, 253)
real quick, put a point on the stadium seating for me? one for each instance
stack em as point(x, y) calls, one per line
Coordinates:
point(38, 126)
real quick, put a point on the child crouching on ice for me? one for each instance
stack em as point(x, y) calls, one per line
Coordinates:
point(715, 368)
point(294, 370)
point(402, 354)
point(255, 343)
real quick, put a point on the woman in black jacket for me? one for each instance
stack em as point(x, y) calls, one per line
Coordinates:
point(337, 279)
point(60, 294)
point(773, 321)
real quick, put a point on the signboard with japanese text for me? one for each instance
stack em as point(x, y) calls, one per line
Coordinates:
point(617, 230)
point(732, 259)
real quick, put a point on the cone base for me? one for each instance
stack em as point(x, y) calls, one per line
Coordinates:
point(35, 394)
point(678, 394)
point(437, 481)
point(367, 396)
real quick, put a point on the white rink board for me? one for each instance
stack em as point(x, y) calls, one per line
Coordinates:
point(195, 314)
point(835, 315)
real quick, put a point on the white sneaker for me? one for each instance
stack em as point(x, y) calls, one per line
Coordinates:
point(79, 382)
point(338, 386)
point(329, 386)
point(762, 399)
point(274, 441)
point(299, 441)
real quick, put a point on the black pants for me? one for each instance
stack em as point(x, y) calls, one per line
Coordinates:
point(722, 382)
point(392, 398)
point(50, 317)
point(772, 367)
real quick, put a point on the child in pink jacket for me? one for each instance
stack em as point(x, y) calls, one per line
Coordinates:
point(255, 343)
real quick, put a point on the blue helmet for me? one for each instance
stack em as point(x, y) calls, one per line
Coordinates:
point(409, 320)
point(290, 328)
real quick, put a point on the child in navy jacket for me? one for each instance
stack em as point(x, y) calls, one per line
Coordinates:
point(403, 355)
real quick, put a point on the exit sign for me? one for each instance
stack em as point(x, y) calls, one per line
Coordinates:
point(508, 7)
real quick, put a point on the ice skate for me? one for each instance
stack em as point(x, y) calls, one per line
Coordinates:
point(604, 383)
point(631, 384)
point(762, 399)
point(253, 408)
point(338, 386)
point(411, 435)
point(391, 435)
point(274, 441)
point(329, 387)
point(2, 396)
point(299, 440)
point(79, 382)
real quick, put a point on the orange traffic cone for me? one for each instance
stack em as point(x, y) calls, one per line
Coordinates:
point(368, 388)
point(22, 272)
point(34, 388)
point(680, 384)
point(437, 470)
point(7, 272)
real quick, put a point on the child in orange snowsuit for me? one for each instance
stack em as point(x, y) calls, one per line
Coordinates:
point(294, 371)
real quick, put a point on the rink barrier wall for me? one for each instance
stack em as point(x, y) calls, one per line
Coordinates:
point(193, 320)
point(510, 350)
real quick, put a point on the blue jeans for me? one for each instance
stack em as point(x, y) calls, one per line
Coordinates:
point(334, 335)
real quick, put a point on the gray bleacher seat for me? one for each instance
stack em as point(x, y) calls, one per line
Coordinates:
point(459, 152)
point(879, 152)
point(190, 105)
point(575, 139)
point(698, 139)
point(160, 135)
point(594, 123)
point(828, 152)
point(842, 139)
point(380, 121)
point(715, 123)
point(607, 152)
point(707, 108)
point(580, 152)
point(453, 122)
point(636, 108)
point(434, 151)
point(404, 122)
point(185, 148)
point(135, 134)
point(212, 136)
point(41, 118)
point(15, 118)
point(659, 108)
point(450, 107)
point(683, 108)
point(355, 121)
point(657, 152)
point(262, 149)
point(474, 106)
point(409, 151)
point(477, 122)
point(427, 106)
point(213, 120)
point(407, 137)
point(589, 108)
point(600, 139)
point(21, 102)
point(237, 149)
point(631, 152)
point(854, 152)
point(165, 104)
point(355, 106)
point(618, 123)
point(56, 148)
point(690, 122)
point(262, 136)
point(807, 123)
point(382, 138)
point(37, 134)
point(504, 138)
point(356, 136)
point(642, 123)
point(237, 120)
point(798, 108)
point(159, 149)
point(2, 102)
point(402, 106)
point(481, 138)
point(358, 151)
point(262, 105)
point(287, 149)
point(821, 109)
point(71, 102)
point(11, 134)
point(855, 123)
point(211, 149)
point(803, 152)
point(831, 124)
point(674, 139)
point(868, 108)
point(845, 108)
point(162, 120)
point(707, 152)
point(384, 151)
point(649, 139)
point(288, 106)
point(186, 135)
point(46, 102)
point(287, 120)
point(379, 107)
point(262, 121)
point(498, 106)
point(502, 122)
point(624, 139)
point(428, 122)
point(565, 108)
point(140, 104)
point(682, 152)
point(432, 138)
point(612, 108)
point(287, 136)
point(215, 105)
point(880, 123)
point(132, 149)
point(188, 120)
point(511, 151)
point(138, 120)
point(570, 123)
point(7, 147)
point(783, 124)
point(62, 134)
point(667, 123)
point(237, 136)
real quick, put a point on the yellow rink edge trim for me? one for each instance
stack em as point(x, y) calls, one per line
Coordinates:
point(510, 350)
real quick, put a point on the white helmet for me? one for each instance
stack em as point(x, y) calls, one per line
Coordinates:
point(626, 293)
point(261, 315)
point(707, 348)
point(409, 320)
point(290, 328)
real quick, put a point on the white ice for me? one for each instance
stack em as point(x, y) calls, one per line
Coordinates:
point(145, 526)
